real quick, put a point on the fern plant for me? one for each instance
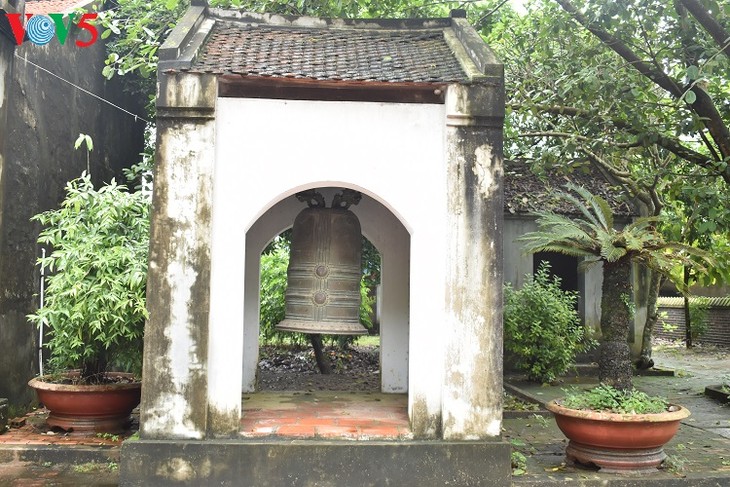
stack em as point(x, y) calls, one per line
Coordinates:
point(591, 234)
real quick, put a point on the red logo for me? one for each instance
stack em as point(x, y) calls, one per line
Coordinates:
point(40, 29)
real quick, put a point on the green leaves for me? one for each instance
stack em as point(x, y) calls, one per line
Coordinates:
point(608, 399)
point(541, 326)
point(84, 139)
point(588, 234)
point(95, 293)
point(692, 73)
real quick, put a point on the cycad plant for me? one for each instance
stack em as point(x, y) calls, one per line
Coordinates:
point(590, 234)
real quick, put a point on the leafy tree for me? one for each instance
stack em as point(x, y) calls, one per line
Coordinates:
point(591, 235)
point(639, 93)
point(137, 29)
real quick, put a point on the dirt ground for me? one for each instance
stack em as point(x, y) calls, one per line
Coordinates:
point(293, 368)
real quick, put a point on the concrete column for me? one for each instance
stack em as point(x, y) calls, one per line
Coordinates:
point(175, 376)
point(472, 388)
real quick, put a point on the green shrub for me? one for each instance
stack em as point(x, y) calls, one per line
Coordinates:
point(606, 398)
point(698, 311)
point(542, 328)
point(95, 294)
point(274, 262)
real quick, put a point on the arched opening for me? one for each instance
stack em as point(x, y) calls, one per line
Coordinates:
point(377, 407)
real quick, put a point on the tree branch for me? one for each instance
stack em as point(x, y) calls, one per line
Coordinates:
point(712, 26)
point(703, 105)
point(628, 183)
point(672, 145)
point(583, 138)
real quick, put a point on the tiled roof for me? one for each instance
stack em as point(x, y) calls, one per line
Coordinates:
point(329, 54)
point(526, 192)
point(43, 7)
point(678, 302)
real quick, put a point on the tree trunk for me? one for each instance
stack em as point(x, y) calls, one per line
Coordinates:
point(614, 357)
point(323, 364)
point(652, 316)
point(94, 369)
point(687, 316)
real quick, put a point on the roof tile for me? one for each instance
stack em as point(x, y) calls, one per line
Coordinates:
point(44, 7)
point(329, 54)
point(526, 192)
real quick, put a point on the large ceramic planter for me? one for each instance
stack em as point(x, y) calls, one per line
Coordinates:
point(88, 408)
point(617, 442)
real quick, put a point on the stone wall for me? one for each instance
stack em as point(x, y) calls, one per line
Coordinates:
point(44, 117)
point(672, 325)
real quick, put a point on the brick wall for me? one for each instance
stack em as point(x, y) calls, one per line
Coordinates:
point(671, 312)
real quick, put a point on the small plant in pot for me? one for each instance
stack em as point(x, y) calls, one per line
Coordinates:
point(94, 306)
point(614, 436)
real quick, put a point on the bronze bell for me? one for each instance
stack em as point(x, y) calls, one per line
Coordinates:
point(323, 278)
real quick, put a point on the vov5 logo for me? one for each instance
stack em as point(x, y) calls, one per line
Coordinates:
point(40, 29)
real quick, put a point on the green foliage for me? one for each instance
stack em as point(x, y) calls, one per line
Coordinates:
point(591, 234)
point(542, 328)
point(606, 398)
point(660, 135)
point(274, 263)
point(273, 288)
point(666, 325)
point(350, 8)
point(136, 29)
point(108, 436)
point(698, 314)
point(519, 463)
point(95, 294)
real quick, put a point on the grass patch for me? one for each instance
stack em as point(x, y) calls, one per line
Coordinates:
point(368, 341)
point(92, 467)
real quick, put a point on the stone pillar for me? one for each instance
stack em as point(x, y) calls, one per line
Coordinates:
point(175, 383)
point(472, 390)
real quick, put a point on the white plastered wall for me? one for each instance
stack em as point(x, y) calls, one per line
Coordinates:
point(267, 150)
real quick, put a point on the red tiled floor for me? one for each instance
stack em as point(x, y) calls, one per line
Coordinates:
point(296, 415)
point(326, 414)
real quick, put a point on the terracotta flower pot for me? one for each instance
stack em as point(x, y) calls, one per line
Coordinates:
point(102, 408)
point(617, 442)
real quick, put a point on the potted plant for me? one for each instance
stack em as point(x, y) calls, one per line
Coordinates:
point(591, 235)
point(618, 431)
point(94, 305)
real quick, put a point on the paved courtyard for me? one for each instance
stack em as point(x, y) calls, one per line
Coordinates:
point(33, 455)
